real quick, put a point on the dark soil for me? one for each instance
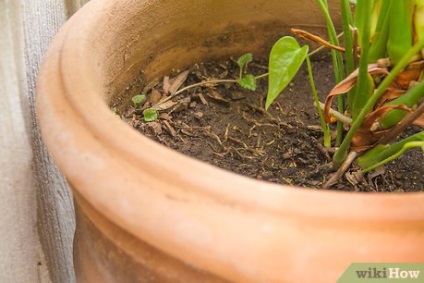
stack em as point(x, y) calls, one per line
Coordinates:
point(227, 126)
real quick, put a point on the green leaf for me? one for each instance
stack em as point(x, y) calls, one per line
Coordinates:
point(244, 59)
point(381, 154)
point(247, 82)
point(138, 99)
point(150, 115)
point(285, 59)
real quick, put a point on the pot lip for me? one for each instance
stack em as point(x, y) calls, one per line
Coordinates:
point(59, 103)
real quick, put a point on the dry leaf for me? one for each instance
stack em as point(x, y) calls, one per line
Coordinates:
point(314, 38)
point(419, 122)
point(390, 94)
point(169, 128)
point(177, 82)
point(217, 97)
point(165, 105)
point(154, 97)
point(347, 84)
point(166, 85)
point(182, 104)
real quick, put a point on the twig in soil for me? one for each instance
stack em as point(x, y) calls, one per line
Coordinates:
point(202, 99)
point(270, 142)
point(402, 125)
point(203, 83)
point(246, 147)
point(279, 107)
point(251, 130)
point(220, 154)
point(323, 150)
point(244, 157)
point(216, 151)
point(342, 169)
point(170, 129)
point(258, 143)
point(210, 133)
point(263, 111)
point(256, 123)
point(339, 116)
point(226, 132)
point(256, 108)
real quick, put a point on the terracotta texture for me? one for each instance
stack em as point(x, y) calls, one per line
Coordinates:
point(154, 215)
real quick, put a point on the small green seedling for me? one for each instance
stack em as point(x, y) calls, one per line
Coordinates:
point(138, 100)
point(248, 81)
point(150, 115)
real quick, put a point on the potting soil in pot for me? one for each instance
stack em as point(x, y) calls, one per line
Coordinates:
point(227, 126)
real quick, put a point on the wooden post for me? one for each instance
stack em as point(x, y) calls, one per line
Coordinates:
point(37, 218)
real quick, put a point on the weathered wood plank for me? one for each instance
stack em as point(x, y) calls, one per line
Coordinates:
point(37, 218)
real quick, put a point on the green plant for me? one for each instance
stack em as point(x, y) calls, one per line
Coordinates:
point(381, 96)
point(382, 92)
point(245, 80)
point(138, 100)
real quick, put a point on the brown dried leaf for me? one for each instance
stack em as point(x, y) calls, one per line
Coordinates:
point(177, 82)
point(355, 177)
point(365, 139)
point(347, 84)
point(366, 136)
point(169, 128)
point(217, 97)
point(154, 97)
point(165, 105)
point(419, 122)
point(182, 104)
point(390, 94)
point(410, 74)
point(202, 99)
point(314, 38)
point(377, 114)
point(155, 128)
point(166, 84)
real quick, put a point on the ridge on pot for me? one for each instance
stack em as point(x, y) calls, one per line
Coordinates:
point(140, 216)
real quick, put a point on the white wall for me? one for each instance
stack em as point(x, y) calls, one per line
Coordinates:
point(37, 219)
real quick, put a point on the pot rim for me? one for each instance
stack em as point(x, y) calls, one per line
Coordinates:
point(70, 48)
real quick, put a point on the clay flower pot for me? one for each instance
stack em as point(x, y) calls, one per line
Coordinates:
point(146, 213)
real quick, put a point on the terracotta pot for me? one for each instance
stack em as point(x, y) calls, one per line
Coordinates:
point(148, 214)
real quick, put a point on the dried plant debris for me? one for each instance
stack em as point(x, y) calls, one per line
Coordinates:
point(227, 126)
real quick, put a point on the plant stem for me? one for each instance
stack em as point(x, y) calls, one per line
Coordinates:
point(342, 169)
point(407, 121)
point(261, 76)
point(337, 63)
point(203, 83)
point(365, 83)
point(347, 22)
point(339, 116)
point(382, 154)
point(344, 147)
point(324, 125)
